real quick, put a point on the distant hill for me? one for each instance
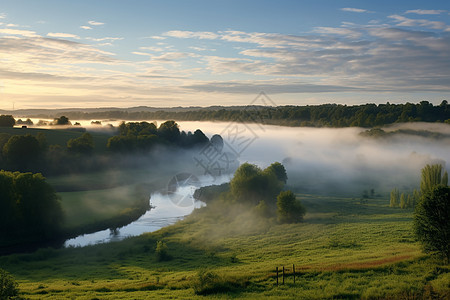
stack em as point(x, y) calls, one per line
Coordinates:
point(325, 115)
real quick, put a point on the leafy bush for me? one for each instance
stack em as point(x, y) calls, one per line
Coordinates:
point(162, 251)
point(208, 282)
point(8, 286)
point(290, 210)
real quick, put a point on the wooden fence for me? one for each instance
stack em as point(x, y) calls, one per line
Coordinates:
point(283, 272)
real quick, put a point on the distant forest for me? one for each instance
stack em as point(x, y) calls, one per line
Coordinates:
point(326, 115)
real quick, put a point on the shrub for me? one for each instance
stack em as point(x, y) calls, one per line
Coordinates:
point(8, 286)
point(290, 210)
point(162, 251)
point(208, 282)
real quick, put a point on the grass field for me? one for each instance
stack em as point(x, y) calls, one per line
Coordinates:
point(343, 250)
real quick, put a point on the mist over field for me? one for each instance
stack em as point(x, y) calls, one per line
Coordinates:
point(338, 160)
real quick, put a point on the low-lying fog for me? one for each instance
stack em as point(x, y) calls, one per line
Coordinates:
point(336, 160)
point(329, 160)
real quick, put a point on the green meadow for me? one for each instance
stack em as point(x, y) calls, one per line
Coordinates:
point(344, 249)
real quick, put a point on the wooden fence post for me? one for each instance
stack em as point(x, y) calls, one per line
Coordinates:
point(277, 276)
point(283, 275)
point(293, 271)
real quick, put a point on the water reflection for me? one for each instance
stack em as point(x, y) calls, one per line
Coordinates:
point(165, 212)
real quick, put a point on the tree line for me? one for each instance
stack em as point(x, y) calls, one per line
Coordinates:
point(326, 115)
point(33, 153)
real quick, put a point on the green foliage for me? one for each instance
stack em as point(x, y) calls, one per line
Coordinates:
point(395, 198)
point(208, 282)
point(330, 115)
point(29, 208)
point(22, 152)
point(7, 121)
point(82, 145)
point(143, 136)
point(431, 221)
point(403, 203)
point(169, 131)
point(250, 184)
point(162, 251)
point(432, 176)
point(8, 286)
point(279, 171)
point(63, 120)
point(289, 209)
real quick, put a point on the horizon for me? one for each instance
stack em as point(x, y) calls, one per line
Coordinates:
point(167, 54)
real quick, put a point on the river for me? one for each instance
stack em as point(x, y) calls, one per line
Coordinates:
point(337, 161)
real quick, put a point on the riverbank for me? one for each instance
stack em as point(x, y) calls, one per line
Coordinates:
point(88, 212)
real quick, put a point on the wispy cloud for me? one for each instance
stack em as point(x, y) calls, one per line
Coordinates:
point(191, 34)
point(406, 22)
point(12, 25)
point(95, 23)
point(25, 33)
point(63, 35)
point(150, 48)
point(356, 10)
point(86, 27)
point(141, 53)
point(105, 39)
point(425, 11)
point(155, 37)
point(2, 15)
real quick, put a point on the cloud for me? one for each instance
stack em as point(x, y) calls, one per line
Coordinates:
point(155, 49)
point(12, 25)
point(112, 39)
point(24, 33)
point(406, 22)
point(201, 48)
point(63, 35)
point(95, 23)
point(141, 53)
point(155, 37)
point(33, 51)
point(339, 31)
point(86, 27)
point(356, 10)
point(425, 12)
point(2, 15)
point(191, 34)
point(268, 87)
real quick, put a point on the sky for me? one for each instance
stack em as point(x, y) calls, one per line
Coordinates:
point(117, 53)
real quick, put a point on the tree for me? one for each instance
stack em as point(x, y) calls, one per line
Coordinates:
point(22, 152)
point(63, 120)
point(431, 221)
point(432, 176)
point(169, 131)
point(289, 209)
point(162, 251)
point(7, 121)
point(8, 286)
point(247, 184)
point(395, 198)
point(83, 144)
point(29, 208)
point(403, 201)
point(279, 171)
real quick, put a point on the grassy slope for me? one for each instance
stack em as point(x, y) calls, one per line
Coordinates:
point(343, 249)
